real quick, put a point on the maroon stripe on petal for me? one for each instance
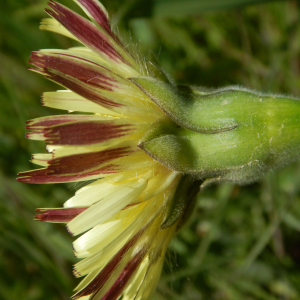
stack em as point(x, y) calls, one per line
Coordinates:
point(43, 176)
point(81, 89)
point(98, 282)
point(95, 9)
point(83, 133)
point(52, 121)
point(58, 215)
point(130, 205)
point(80, 59)
point(83, 162)
point(76, 68)
point(117, 288)
point(75, 167)
point(84, 30)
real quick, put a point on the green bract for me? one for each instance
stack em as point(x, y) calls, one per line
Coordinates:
point(229, 134)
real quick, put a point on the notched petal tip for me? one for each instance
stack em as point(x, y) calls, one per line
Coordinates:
point(76, 273)
point(58, 215)
point(22, 179)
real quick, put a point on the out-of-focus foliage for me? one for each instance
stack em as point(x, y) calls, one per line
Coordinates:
point(242, 242)
point(180, 7)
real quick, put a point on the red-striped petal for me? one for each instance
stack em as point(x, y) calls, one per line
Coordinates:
point(84, 133)
point(77, 132)
point(84, 30)
point(78, 87)
point(58, 215)
point(118, 286)
point(97, 13)
point(76, 167)
point(54, 120)
point(43, 176)
point(79, 68)
point(98, 282)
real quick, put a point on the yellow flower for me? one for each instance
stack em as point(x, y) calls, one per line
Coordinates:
point(120, 213)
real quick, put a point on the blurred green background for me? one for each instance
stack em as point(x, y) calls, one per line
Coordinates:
point(242, 242)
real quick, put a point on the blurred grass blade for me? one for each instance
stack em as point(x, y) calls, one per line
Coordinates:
point(292, 221)
point(164, 8)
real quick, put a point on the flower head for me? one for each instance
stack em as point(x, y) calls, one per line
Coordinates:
point(120, 213)
point(145, 143)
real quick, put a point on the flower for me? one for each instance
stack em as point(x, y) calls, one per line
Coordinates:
point(120, 213)
point(146, 144)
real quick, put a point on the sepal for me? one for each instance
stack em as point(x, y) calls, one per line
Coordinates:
point(188, 109)
point(183, 202)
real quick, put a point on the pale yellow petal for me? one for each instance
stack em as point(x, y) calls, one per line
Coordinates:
point(136, 282)
point(50, 24)
point(101, 235)
point(105, 208)
point(70, 101)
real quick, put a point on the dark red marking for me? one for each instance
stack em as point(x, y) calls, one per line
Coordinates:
point(76, 68)
point(68, 168)
point(80, 59)
point(118, 286)
point(76, 129)
point(42, 175)
point(98, 15)
point(130, 205)
point(58, 215)
point(81, 89)
point(97, 283)
point(53, 120)
point(84, 133)
point(84, 30)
